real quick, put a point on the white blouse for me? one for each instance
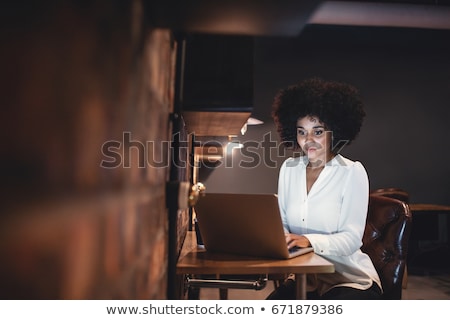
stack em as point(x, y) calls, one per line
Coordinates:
point(332, 216)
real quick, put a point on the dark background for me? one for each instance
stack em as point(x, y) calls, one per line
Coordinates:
point(403, 75)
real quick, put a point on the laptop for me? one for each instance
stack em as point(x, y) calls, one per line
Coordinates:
point(243, 224)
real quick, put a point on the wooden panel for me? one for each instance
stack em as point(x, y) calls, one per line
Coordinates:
point(204, 123)
point(262, 18)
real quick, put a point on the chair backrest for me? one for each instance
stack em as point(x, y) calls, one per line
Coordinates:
point(385, 240)
point(395, 193)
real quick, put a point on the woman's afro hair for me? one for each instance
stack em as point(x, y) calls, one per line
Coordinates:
point(338, 105)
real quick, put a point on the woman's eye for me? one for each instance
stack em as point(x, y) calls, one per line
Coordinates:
point(318, 132)
point(300, 132)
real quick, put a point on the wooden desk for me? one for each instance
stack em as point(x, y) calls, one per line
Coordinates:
point(430, 222)
point(428, 207)
point(429, 246)
point(195, 260)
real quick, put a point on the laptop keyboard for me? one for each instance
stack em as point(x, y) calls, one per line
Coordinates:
point(292, 250)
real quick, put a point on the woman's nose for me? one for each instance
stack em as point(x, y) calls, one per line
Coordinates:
point(309, 137)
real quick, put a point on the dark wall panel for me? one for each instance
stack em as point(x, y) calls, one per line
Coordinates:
point(404, 79)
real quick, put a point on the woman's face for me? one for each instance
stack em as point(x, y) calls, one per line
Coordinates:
point(314, 140)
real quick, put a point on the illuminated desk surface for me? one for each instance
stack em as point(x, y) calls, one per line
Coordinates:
point(194, 260)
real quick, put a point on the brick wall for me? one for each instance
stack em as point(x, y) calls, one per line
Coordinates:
point(77, 75)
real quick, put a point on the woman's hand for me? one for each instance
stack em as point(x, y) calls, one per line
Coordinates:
point(295, 240)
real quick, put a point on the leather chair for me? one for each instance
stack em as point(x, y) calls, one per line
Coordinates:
point(396, 193)
point(402, 195)
point(385, 240)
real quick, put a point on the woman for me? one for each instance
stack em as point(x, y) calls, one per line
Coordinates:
point(323, 196)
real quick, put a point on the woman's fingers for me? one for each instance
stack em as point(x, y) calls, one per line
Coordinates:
point(295, 240)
